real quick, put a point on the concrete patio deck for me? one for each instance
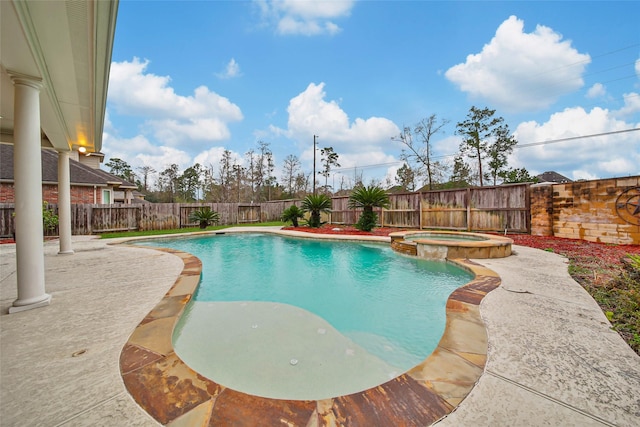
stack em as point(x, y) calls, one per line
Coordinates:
point(552, 358)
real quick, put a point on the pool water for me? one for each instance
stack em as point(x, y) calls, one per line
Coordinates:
point(441, 236)
point(309, 319)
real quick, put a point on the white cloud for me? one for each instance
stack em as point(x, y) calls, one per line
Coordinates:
point(596, 91)
point(231, 70)
point(602, 156)
point(631, 105)
point(638, 67)
point(139, 151)
point(520, 71)
point(173, 118)
point(310, 113)
point(178, 132)
point(307, 18)
point(361, 142)
point(212, 157)
point(162, 157)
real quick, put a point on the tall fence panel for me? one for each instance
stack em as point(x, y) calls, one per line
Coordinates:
point(446, 209)
point(500, 208)
point(7, 224)
point(159, 216)
point(403, 211)
point(107, 218)
point(478, 209)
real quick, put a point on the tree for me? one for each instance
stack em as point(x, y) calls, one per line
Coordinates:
point(367, 198)
point(121, 169)
point(225, 176)
point(189, 183)
point(422, 153)
point(485, 136)
point(301, 184)
point(290, 170)
point(329, 160)
point(168, 182)
point(461, 175)
point(513, 176)
point(405, 177)
point(316, 204)
point(146, 171)
point(498, 152)
point(239, 174)
point(265, 169)
point(209, 184)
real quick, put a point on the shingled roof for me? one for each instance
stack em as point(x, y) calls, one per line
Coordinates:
point(551, 176)
point(80, 174)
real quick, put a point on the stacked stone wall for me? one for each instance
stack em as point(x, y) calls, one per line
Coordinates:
point(541, 209)
point(597, 211)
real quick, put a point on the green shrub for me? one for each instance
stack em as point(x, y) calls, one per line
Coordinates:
point(49, 218)
point(367, 198)
point(204, 217)
point(292, 213)
point(315, 204)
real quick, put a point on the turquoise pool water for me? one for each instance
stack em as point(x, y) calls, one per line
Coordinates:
point(442, 236)
point(270, 308)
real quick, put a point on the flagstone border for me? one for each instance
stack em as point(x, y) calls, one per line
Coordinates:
point(175, 395)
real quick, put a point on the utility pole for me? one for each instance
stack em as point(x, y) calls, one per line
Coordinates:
point(314, 165)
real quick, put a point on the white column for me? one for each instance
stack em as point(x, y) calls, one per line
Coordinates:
point(64, 203)
point(27, 164)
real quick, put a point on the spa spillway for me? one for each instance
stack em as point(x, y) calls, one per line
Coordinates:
point(450, 244)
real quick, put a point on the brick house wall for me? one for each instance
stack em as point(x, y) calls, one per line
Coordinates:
point(7, 193)
point(79, 194)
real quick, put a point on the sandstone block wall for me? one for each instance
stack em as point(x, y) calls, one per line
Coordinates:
point(597, 211)
point(541, 209)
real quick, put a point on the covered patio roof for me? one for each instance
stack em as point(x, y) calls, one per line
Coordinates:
point(68, 45)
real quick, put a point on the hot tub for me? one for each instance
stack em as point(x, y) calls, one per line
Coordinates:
point(450, 244)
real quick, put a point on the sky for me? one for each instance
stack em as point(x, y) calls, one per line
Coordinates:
point(190, 79)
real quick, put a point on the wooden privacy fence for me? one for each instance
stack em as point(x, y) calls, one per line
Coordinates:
point(500, 208)
point(91, 219)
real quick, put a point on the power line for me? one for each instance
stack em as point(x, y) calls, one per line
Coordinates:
point(586, 61)
point(553, 141)
point(530, 144)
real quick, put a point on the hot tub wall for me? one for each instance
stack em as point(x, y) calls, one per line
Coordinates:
point(479, 252)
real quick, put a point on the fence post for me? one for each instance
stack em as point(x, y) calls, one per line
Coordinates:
point(90, 219)
point(468, 202)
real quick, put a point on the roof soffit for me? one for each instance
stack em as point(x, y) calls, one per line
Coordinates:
point(70, 44)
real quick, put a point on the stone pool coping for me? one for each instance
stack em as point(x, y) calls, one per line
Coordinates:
point(175, 395)
point(428, 245)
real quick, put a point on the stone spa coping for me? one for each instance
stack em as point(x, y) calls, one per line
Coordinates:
point(175, 395)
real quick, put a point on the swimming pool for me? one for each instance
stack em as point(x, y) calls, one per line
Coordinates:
point(304, 319)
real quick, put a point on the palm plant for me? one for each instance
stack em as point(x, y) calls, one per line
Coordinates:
point(292, 213)
point(315, 204)
point(367, 198)
point(204, 217)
